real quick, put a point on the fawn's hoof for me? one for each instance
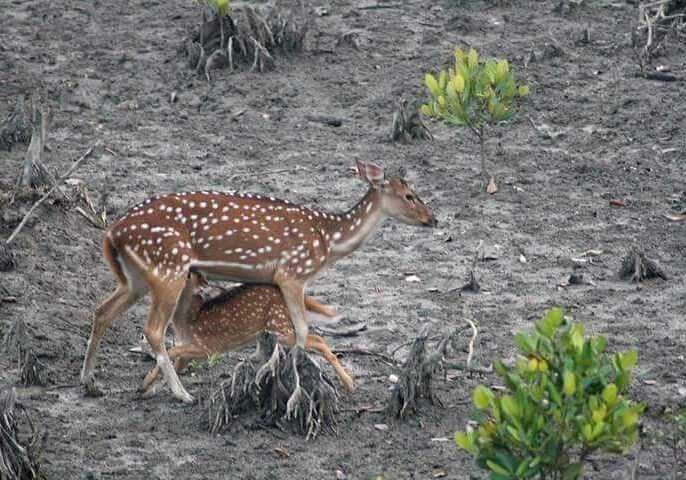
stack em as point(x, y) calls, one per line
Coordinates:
point(90, 388)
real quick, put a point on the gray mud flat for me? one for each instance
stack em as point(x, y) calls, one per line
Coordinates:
point(110, 68)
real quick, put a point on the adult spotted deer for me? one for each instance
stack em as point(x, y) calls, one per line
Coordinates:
point(234, 319)
point(238, 237)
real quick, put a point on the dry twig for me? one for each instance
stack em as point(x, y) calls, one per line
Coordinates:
point(40, 201)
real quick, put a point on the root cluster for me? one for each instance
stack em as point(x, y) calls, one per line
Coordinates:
point(16, 344)
point(407, 124)
point(636, 267)
point(247, 36)
point(16, 127)
point(416, 378)
point(657, 21)
point(18, 459)
point(285, 387)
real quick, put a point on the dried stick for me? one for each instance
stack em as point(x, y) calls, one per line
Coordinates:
point(471, 341)
point(76, 165)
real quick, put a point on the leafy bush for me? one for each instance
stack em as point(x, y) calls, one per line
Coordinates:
point(474, 93)
point(563, 400)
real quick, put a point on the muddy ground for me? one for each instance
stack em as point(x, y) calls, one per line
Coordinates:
point(109, 69)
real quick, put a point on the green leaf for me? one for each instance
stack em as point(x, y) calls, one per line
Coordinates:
point(495, 468)
point(510, 406)
point(432, 85)
point(472, 58)
point(576, 335)
point(482, 397)
point(569, 383)
point(465, 440)
point(442, 80)
point(523, 90)
point(629, 417)
point(525, 343)
point(500, 368)
point(628, 359)
point(513, 432)
point(549, 324)
point(610, 394)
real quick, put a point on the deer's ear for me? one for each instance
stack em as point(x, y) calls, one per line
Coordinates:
point(370, 173)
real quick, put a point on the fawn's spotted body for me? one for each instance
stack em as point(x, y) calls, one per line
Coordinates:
point(239, 237)
point(233, 320)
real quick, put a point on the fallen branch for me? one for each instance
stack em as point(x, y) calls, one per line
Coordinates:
point(40, 201)
point(472, 340)
point(361, 351)
point(326, 120)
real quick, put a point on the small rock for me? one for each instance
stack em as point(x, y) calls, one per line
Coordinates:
point(381, 427)
point(340, 475)
point(393, 378)
point(413, 279)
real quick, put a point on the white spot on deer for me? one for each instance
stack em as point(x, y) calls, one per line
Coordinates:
point(299, 270)
point(150, 210)
point(225, 218)
point(228, 252)
point(315, 243)
point(267, 248)
point(175, 251)
point(133, 227)
point(337, 236)
point(246, 229)
point(203, 220)
point(184, 258)
point(202, 204)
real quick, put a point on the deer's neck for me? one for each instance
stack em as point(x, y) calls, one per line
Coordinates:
point(347, 231)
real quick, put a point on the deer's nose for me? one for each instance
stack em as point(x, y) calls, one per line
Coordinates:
point(431, 222)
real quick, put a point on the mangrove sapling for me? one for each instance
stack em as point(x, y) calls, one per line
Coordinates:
point(476, 93)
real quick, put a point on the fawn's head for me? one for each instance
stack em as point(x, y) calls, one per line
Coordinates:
point(398, 198)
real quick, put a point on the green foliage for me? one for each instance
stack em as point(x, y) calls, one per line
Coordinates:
point(220, 8)
point(474, 92)
point(213, 359)
point(564, 399)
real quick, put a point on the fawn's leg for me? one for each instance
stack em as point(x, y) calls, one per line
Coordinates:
point(316, 307)
point(317, 344)
point(180, 355)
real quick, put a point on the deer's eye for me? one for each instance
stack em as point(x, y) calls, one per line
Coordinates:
point(409, 197)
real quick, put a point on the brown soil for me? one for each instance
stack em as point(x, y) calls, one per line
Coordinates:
point(109, 69)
